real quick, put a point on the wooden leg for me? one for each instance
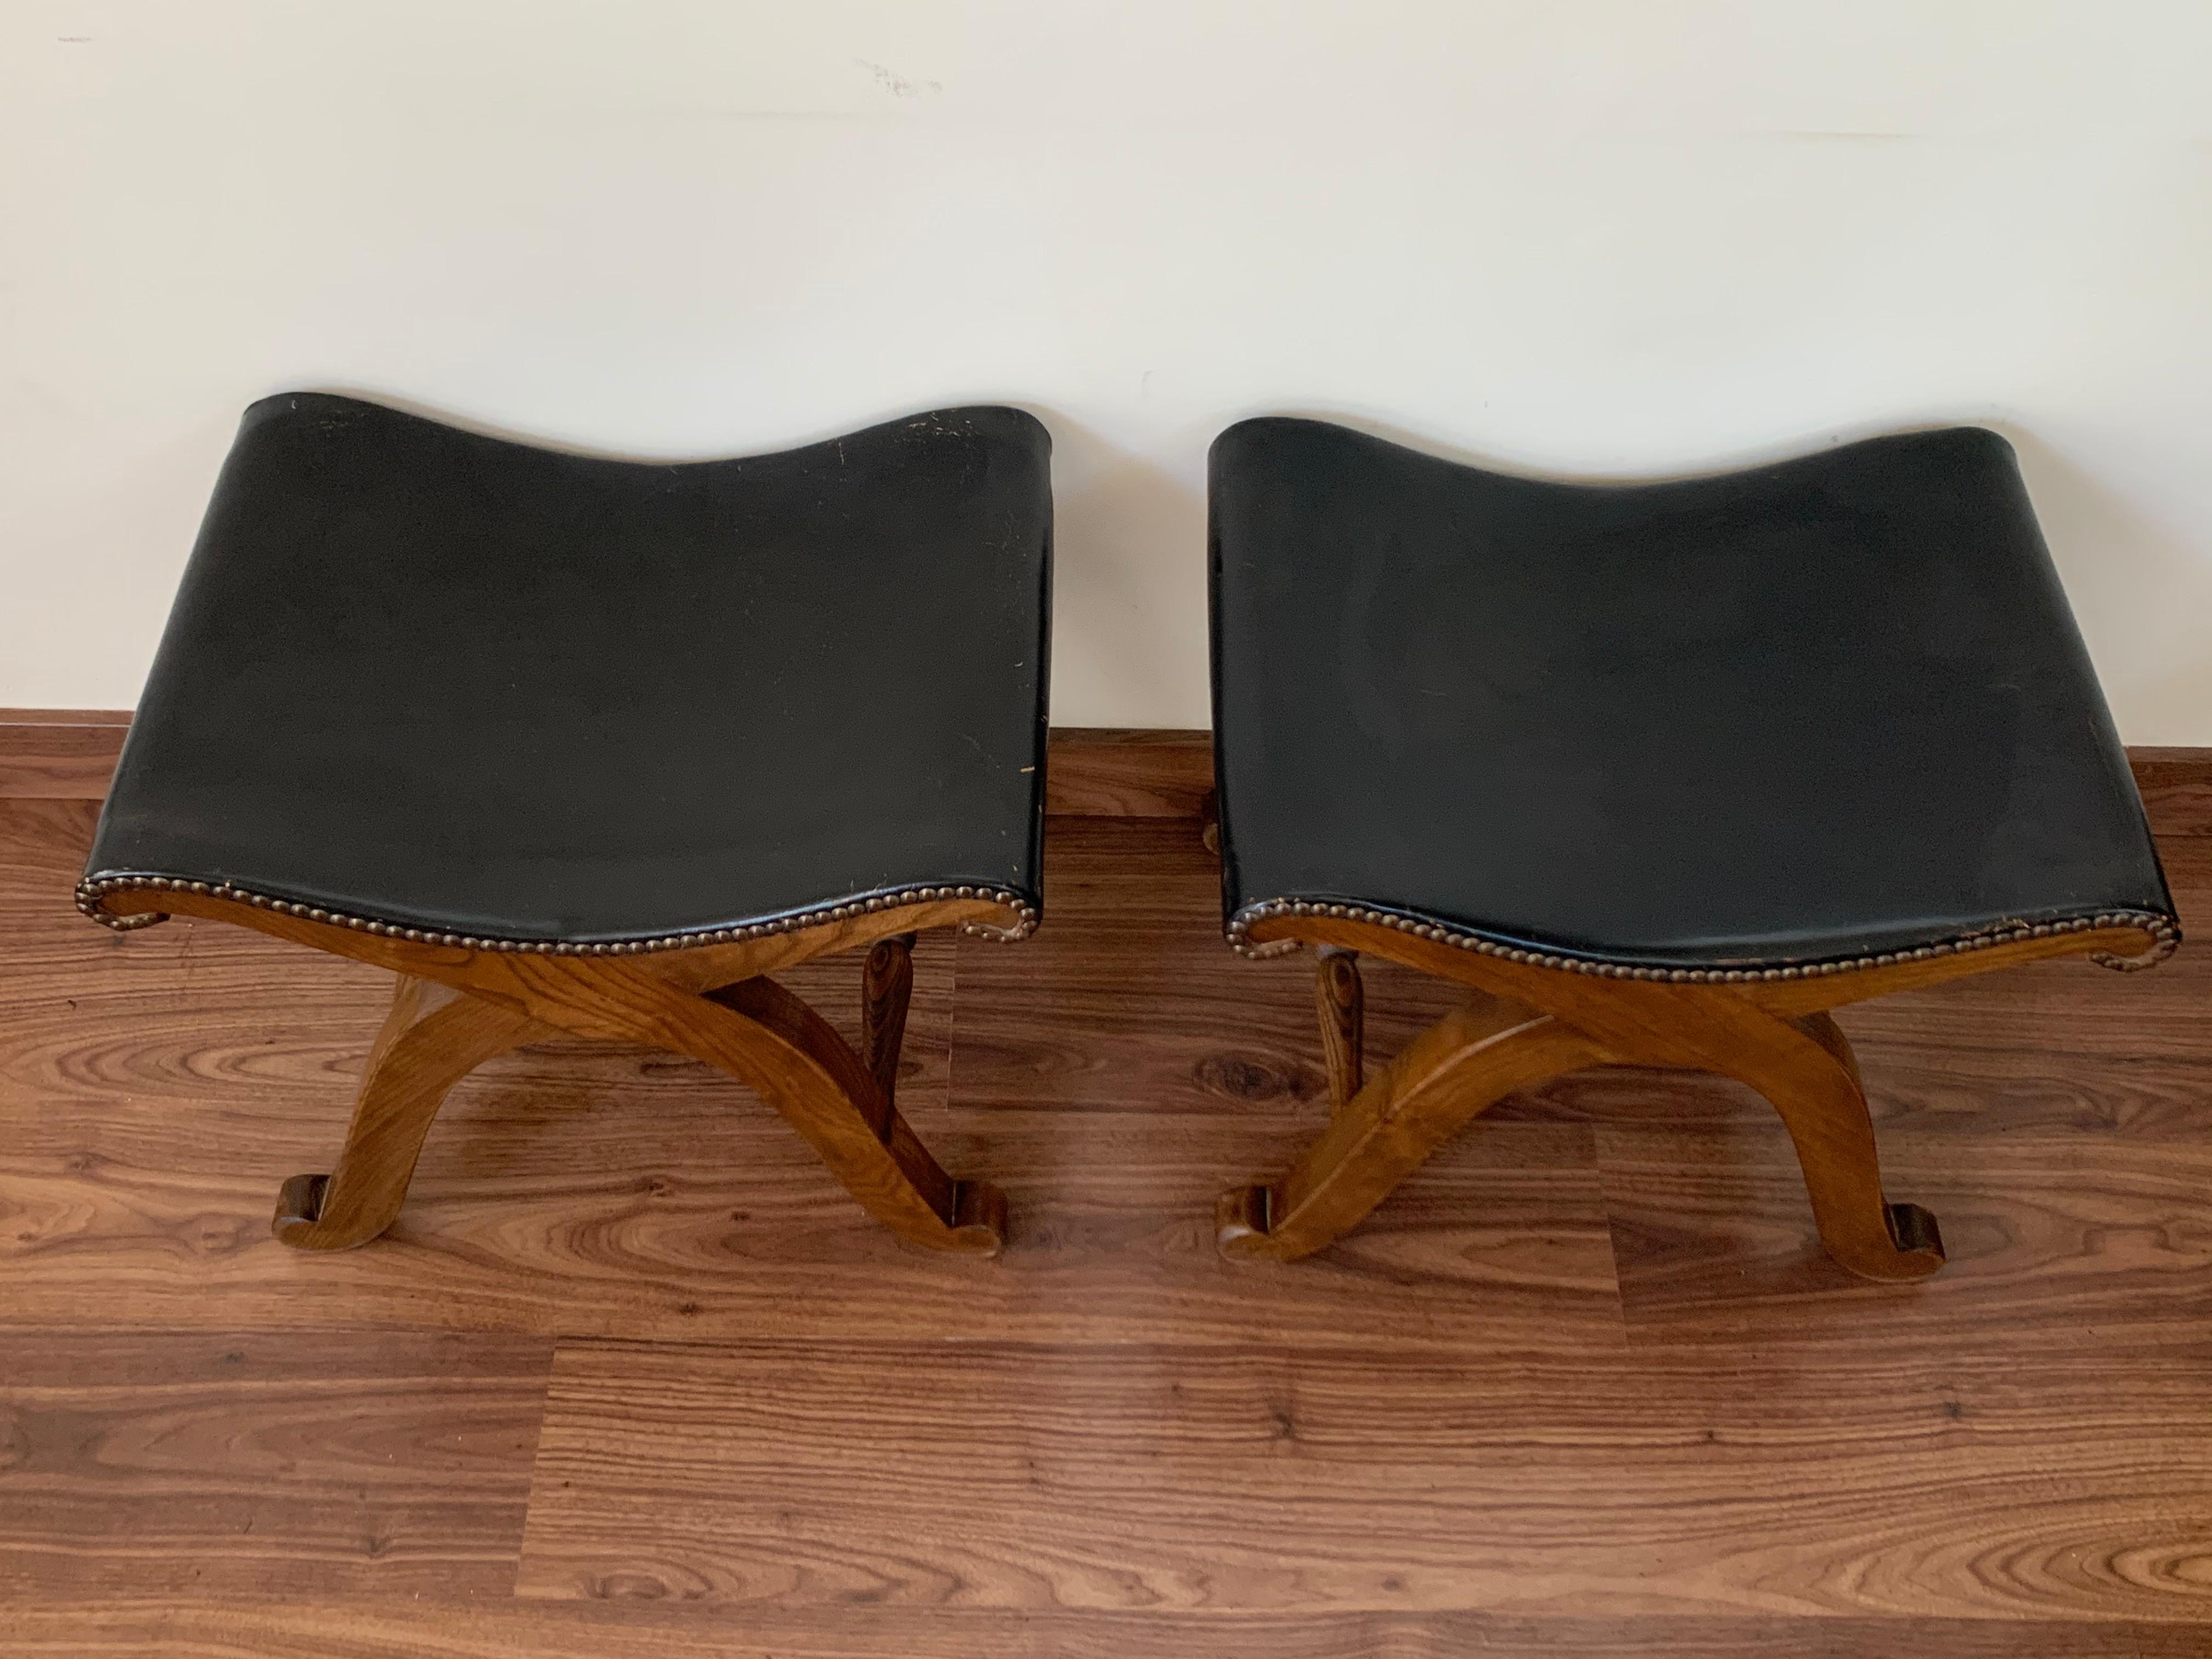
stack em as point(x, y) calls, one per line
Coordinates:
point(749, 1027)
point(794, 1059)
point(886, 987)
point(1769, 1030)
point(1459, 1066)
point(433, 1037)
point(1814, 1082)
point(1444, 1078)
point(1341, 1001)
point(755, 1030)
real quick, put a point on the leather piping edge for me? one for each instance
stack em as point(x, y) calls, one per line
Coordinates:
point(90, 892)
point(2164, 932)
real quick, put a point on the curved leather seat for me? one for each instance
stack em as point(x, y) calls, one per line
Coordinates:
point(1809, 712)
point(441, 681)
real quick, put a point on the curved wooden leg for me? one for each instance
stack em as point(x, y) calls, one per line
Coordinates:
point(1814, 1082)
point(1341, 999)
point(1445, 1078)
point(765, 1038)
point(433, 1037)
point(887, 987)
point(795, 1061)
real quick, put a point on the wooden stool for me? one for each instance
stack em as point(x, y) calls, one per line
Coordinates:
point(589, 746)
point(1660, 773)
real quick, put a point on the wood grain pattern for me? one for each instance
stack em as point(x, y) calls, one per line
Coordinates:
point(1118, 772)
point(1231, 1480)
point(63, 754)
point(715, 1228)
point(297, 1462)
point(1126, 1000)
point(2176, 784)
point(2035, 1224)
point(594, 1630)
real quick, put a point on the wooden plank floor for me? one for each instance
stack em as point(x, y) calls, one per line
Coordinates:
point(633, 1376)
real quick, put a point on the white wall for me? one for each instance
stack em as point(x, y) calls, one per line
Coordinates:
point(1601, 236)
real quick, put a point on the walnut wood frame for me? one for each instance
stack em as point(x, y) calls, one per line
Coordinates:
point(1524, 1023)
point(455, 1007)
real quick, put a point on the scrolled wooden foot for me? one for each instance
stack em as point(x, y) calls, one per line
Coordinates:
point(431, 1038)
point(979, 1218)
point(1341, 999)
point(1914, 1249)
point(1914, 1231)
point(299, 1207)
point(1814, 1082)
point(1240, 1223)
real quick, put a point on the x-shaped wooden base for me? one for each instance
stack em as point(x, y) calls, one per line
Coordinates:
point(1523, 1023)
point(454, 1008)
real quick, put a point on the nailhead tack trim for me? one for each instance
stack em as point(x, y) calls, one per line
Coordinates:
point(2165, 935)
point(89, 893)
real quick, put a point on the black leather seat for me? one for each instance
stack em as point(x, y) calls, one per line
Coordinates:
point(440, 681)
point(1820, 711)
